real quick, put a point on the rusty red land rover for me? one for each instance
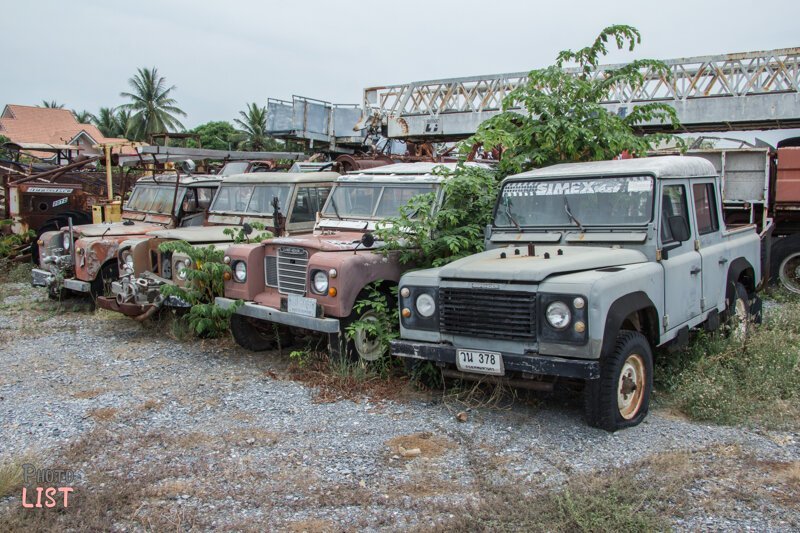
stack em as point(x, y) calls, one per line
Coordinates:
point(312, 282)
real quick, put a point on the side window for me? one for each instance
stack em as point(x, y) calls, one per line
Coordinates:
point(190, 201)
point(204, 197)
point(673, 204)
point(303, 210)
point(705, 208)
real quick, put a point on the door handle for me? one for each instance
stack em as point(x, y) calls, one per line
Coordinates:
point(723, 260)
point(695, 271)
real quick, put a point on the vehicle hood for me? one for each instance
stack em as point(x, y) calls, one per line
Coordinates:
point(490, 266)
point(114, 229)
point(196, 234)
point(339, 241)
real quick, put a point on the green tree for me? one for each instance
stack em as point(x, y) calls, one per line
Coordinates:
point(253, 124)
point(83, 117)
point(429, 235)
point(558, 114)
point(113, 122)
point(216, 135)
point(4, 153)
point(152, 108)
point(52, 104)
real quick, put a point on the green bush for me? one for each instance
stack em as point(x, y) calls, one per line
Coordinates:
point(11, 244)
point(429, 236)
point(204, 282)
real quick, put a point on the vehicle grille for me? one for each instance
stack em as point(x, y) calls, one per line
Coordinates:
point(271, 270)
point(292, 269)
point(490, 314)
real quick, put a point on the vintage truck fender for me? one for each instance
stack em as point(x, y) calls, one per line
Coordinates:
point(612, 294)
point(354, 272)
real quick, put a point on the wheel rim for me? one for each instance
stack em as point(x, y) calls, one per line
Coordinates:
point(631, 386)
point(789, 273)
point(740, 317)
point(367, 348)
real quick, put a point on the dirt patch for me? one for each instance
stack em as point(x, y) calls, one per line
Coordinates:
point(311, 526)
point(103, 414)
point(88, 394)
point(427, 444)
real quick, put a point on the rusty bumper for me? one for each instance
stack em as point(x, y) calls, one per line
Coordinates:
point(127, 309)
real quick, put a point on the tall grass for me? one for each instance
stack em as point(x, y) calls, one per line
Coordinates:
point(755, 380)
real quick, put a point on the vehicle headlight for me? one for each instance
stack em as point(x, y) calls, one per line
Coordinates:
point(426, 305)
point(240, 271)
point(558, 315)
point(180, 269)
point(320, 282)
point(67, 242)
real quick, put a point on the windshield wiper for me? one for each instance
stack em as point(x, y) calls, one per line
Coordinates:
point(335, 210)
point(570, 215)
point(511, 217)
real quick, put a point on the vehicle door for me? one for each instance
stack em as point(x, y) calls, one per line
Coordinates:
point(714, 253)
point(679, 259)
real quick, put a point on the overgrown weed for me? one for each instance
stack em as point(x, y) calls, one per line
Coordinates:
point(753, 381)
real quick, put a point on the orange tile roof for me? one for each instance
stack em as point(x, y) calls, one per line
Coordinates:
point(22, 123)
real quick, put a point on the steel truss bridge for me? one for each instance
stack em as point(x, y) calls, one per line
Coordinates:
point(753, 90)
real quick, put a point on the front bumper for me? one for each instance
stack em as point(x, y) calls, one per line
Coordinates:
point(127, 309)
point(44, 278)
point(262, 312)
point(529, 364)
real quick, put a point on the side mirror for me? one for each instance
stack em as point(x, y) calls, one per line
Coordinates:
point(679, 228)
point(188, 166)
point(368, 239)
point(247, 229)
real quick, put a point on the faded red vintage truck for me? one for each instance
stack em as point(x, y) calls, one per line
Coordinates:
point(312, 282)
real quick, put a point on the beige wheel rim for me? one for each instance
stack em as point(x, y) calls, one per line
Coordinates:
point(630, 389)
point(367, 348)
point(741, 318)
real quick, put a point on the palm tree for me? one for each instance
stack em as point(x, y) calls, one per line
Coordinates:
point(106, 122)
point(112, 122)
point(83, 117)
point(52, 104)
point(123, 121)
point(151, 107)
point(254, 125)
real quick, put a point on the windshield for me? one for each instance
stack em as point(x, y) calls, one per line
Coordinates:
point(256, 199)
point(234, 167)
point(371, 200)
point(154, 199)
point(596, 201)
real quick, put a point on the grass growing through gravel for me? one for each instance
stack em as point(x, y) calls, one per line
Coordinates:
point(730, 381)
point(10, 477)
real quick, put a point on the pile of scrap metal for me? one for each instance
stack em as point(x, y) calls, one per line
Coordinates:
point(41, 197)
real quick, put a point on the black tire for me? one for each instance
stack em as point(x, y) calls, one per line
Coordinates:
point(253, 334)
point(101, 286)
point(784, 263)
point(614, 402)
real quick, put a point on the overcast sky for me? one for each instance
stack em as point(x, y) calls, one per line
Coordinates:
point(223, 54)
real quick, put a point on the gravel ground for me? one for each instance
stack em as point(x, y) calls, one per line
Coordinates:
point(207, 435)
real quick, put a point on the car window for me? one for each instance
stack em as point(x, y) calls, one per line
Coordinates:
point(705, 208)
point(304, 205)
point(673, 203)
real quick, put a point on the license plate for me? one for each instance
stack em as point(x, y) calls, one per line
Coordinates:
point(480, 361)
point(300, 305)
